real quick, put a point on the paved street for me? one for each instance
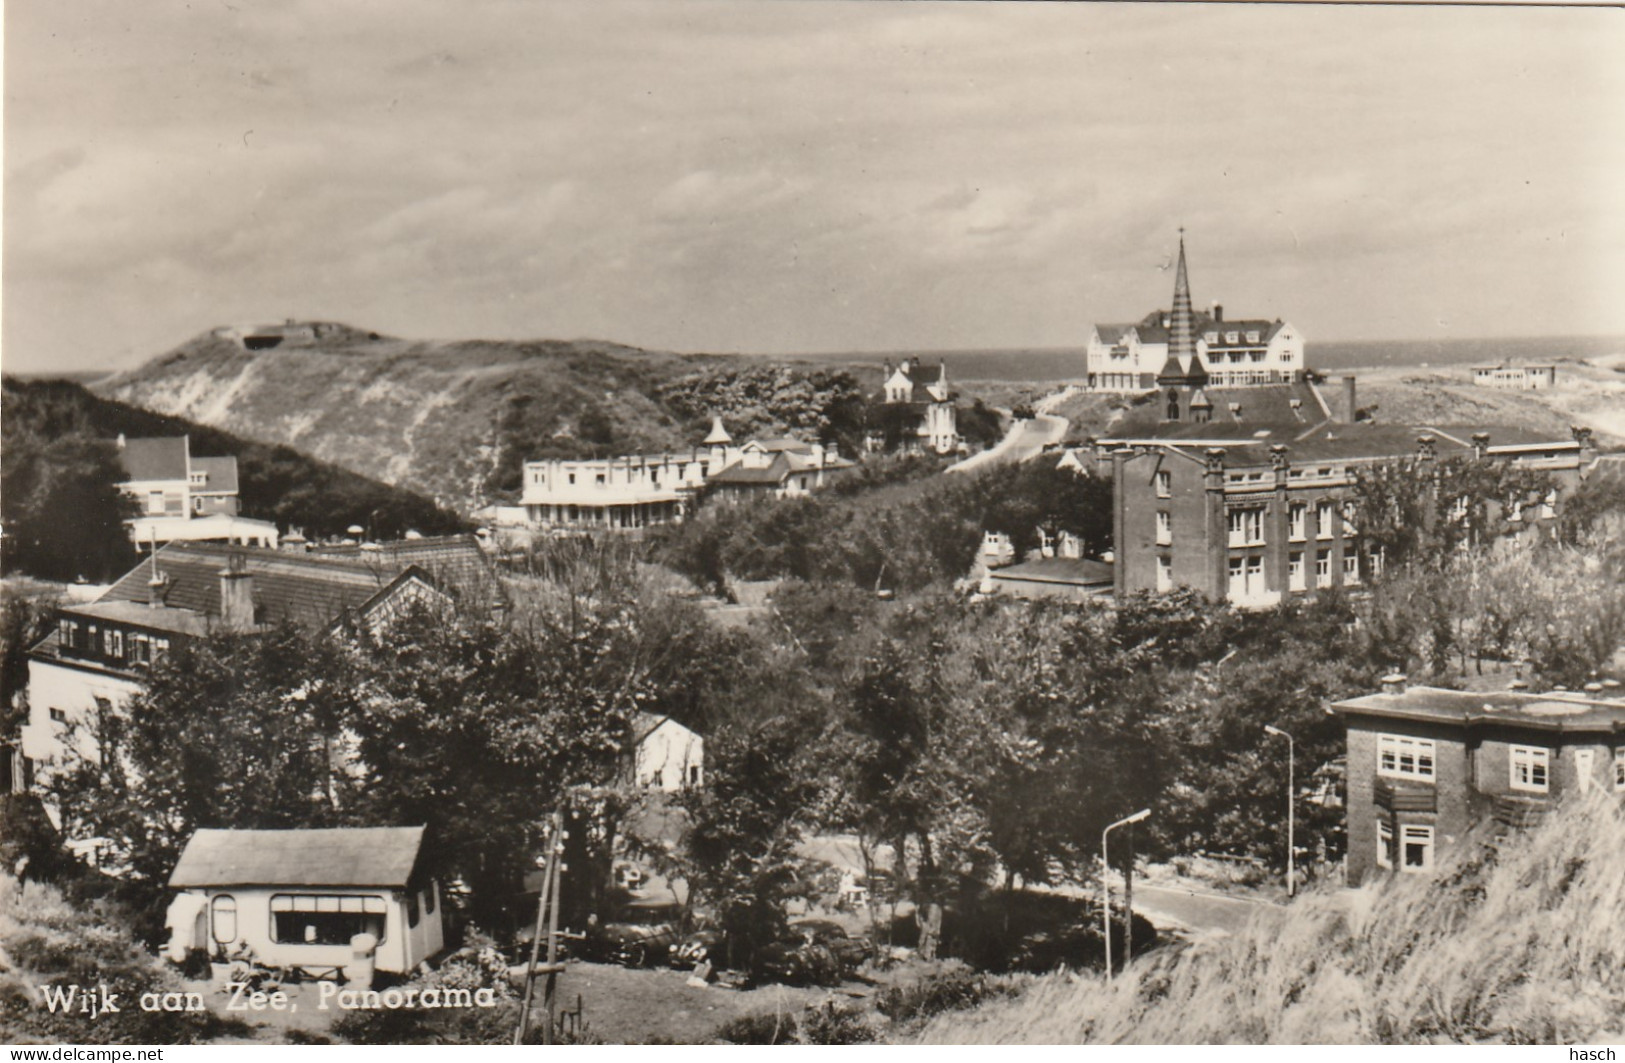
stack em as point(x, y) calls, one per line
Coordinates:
point(1024, 439)
point(1194, 910)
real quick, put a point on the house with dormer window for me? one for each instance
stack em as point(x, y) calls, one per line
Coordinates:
point(98, 655)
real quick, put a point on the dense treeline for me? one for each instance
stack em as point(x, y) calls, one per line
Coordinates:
point(830, 405)
point(984, 740)
point(63, 515)
point(903, 536)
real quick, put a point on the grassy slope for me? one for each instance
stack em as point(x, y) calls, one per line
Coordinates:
point(52, 408)
point(1529, 947)
point(47, 940)
point(1585, 394)
point(420, 414)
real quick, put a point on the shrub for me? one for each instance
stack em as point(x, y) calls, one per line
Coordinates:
point(52, 943)
point(951, 990)
point(831, 1024)
point(776, 1028)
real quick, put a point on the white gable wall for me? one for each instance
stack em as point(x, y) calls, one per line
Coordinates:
point(670, 757)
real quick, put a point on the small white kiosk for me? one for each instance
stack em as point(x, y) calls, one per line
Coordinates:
point(298, 897)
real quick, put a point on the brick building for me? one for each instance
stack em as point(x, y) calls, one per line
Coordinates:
point(1426, 765)
point(1250, 512)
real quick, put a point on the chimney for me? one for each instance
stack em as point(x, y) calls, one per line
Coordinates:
point(1218, 313)
point(236, 596)
point(1393, 684)
point(1481, 445)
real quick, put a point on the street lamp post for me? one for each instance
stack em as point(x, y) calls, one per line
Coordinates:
point(1106, 887)
point(1291, 805)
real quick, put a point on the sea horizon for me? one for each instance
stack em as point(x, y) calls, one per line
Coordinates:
point(1066, 363)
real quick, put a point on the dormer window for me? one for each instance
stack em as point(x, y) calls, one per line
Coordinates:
point(1213, 337)
point(1230, 337)
point(1252, 337)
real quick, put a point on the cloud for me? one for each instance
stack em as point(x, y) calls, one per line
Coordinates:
point(799, 175)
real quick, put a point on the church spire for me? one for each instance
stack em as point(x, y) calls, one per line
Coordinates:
point(1183, 365)
point(1181, 338)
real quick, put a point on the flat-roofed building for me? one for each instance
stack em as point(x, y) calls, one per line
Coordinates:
point(1425, 765)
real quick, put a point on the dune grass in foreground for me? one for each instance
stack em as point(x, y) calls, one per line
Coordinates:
point(1524, 942)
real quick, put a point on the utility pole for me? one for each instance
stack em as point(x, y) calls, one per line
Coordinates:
point(1106, 886)
point(1291, 811)
point(547, 914)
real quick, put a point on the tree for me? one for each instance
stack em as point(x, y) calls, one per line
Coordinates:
point(64, 515)
point(739, 851)
point(230, 731)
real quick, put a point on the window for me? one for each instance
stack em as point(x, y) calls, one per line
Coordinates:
point(572, 477)
point(223, 912)
point(1619, 768)
point(694, 775)
point(115, 644)
point(155, 501)
point(599, 479)
point(1230, 337)
point(1515, 510)
point(1350, 511)
point(1255, 576)
point(1297, 515)
point(1351, 568)
point(1165, 573)
point(1417, 848)
point(1238, 586)
point(59, 716)
point(1165, 484)
point(1458, 510)
point(1165, 528)
point(1247, 526)
point(429, 898)
point(1373, 561)
point(1294, 571)
point(317, 919)
point(1323, 568)
point(412, 914)
point(1531, 769)
point(1323, 521)
point(1385, 844)
point(1252, 337)
point(1404, 757)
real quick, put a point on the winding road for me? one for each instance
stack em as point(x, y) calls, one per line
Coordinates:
point(1024, 439)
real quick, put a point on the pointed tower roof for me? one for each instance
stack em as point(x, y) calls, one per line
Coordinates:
point(719, 435)
point(1184, 366)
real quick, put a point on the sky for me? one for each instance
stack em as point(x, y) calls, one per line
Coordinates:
point(779, 176)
